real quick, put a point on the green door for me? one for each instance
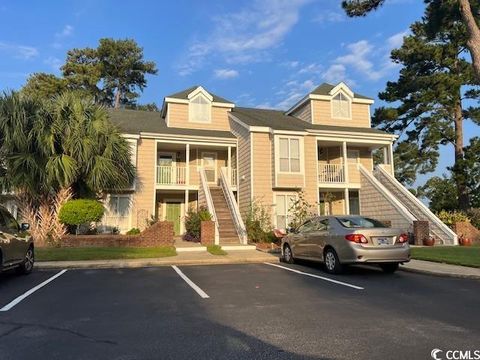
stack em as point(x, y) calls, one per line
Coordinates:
point(173, 214)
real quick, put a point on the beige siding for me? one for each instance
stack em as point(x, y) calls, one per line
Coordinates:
point(177, 116)
point(143, 199)
point(304, 112)
point(375, 204)
point(311, 184)
point(244, 166)
point(322, 114)
point(262, 162)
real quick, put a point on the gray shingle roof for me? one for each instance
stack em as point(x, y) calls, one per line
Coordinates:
point(325, 88)
point(277, 120)
point(184, 95)
point(137, 121)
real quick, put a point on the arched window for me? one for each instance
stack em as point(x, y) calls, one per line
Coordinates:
point(341, 106)
point(200, 109)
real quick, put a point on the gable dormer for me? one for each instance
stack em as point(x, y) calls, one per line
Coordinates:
point(196, 108)
point(334, 105)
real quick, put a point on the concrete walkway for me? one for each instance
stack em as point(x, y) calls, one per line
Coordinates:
point(441, 269)
point(183, 258)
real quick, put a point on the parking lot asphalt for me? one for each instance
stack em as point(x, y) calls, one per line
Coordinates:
point(251, 311)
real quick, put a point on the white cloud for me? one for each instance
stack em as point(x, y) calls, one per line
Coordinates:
point(337, 73)
point(226, 73)
point(54, 62)
point(396, 40)
point(19, 51)
point(329, 16)
point(312, 68)
point(66, 32)
point(245, 36)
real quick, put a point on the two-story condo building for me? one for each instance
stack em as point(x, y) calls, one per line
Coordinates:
point(202, 149)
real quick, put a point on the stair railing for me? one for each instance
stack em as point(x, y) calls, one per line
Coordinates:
point(232, 206)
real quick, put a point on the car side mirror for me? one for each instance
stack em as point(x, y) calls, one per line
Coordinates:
point(25, 226)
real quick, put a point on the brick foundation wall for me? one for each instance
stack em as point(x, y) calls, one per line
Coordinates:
point(421, 230)
point(207, 233)
point(159, 234)
point(468, 230)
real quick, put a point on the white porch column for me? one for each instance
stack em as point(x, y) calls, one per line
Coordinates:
point(347, 202)
point(229, 165)
point(386, 156)
point(345, 160)
point(390, 150)
point(185, 211)
point(186, 201)
point(187, 164)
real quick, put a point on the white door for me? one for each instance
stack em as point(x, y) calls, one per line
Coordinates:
point(209, 164)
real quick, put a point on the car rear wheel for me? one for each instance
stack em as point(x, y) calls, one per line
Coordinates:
point(389, 268)
point(288, 255)
point(332, 263)
point(27, 266)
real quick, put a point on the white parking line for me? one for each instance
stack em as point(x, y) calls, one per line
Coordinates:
point(194, 286)
point(31, 291)
point(317, 276)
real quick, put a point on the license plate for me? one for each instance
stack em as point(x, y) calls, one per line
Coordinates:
point(383, 241)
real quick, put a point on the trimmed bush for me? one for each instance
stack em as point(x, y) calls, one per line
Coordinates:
point(450, 218)
point(133, 231)
point(81, 211)
point(193, 221)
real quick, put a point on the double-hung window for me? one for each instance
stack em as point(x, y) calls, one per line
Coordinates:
point(341, 106)
point(117, 213)
point(289, 158)
point(284, 203)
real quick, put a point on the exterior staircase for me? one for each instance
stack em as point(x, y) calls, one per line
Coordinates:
point(415, 207)
point(226, 227)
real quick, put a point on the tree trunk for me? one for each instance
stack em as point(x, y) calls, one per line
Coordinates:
point(117, 99)
point(459, 172)
point(473, 42)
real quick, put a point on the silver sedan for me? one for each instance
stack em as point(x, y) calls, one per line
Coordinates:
point(342, 240)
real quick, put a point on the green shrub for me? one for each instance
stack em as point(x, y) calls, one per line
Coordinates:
point(193, 221)
point(258, 222)
point(300, 210)
point(216, 250)
point(452, 217)
point(474, 215)
point(133, 231)
point(81, 211)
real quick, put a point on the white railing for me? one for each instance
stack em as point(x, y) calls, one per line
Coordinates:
point(234, 177)
point(208, 199)
point(232, 206)
point(171, 175)
point(450, 234)
point(331, 173)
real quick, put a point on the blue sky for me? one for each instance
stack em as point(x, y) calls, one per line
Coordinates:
point(265, 53)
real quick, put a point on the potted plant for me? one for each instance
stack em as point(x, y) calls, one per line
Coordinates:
point(428, 241)
point(464, 241)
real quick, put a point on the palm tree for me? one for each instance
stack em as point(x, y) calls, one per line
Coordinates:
point(46, 145)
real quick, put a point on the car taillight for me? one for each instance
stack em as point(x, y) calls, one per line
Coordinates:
point(356, 238)
point(403, 238)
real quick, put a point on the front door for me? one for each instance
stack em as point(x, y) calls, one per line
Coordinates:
point(173, 213)
point(209, 163)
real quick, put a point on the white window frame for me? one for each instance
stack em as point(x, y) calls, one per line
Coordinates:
point(191, 113)
point(128, 216)
point(300, 154)
point(349, 101)
point(275, 213)
point(215, 155)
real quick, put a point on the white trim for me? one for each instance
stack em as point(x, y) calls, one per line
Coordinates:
point(215, 161)
point(184, 101)
point(175, 100)
point(274, 204)
point(130, 136)
point(193, 142)
point(328, 98)
point(200, 90)
point(346, 201)
point(301, 145)
point(341, 87)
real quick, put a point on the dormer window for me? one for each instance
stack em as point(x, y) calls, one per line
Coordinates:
point(199, 109)
point(341, 106)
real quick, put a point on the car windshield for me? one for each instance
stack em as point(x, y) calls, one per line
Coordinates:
point(359, 222)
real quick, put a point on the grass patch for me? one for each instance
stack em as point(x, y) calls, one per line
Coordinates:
point(216, 250)
point(102, 253)
point(457, 255)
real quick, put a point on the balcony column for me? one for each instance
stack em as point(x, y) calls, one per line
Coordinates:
point(187, 166)
point(386, 156)
point(347, 201)
point(229, 165)
point(390, 151)
point(345, 161)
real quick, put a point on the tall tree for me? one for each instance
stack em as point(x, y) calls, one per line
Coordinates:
point(113, 72)
point(440, 13)
point(440, 192)
point(42, 85)
point(430, 93)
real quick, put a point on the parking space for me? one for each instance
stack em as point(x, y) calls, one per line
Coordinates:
point(250, 311)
